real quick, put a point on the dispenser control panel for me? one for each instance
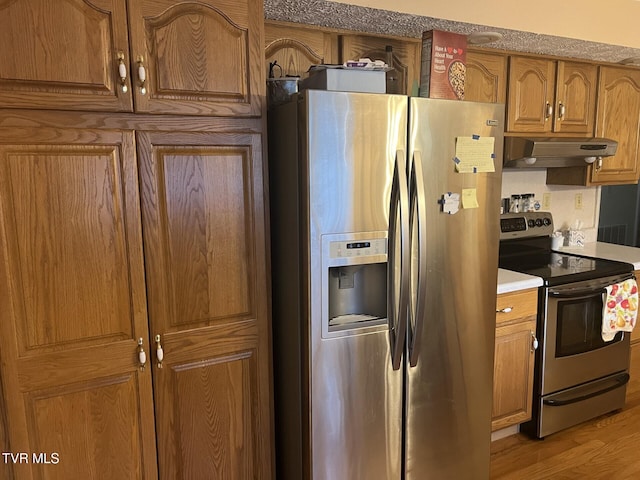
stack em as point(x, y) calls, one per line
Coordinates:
point(358, 248)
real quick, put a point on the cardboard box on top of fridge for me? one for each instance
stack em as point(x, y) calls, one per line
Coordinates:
point(443, 66)
point(340, 78)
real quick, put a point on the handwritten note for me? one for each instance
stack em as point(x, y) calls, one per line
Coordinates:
point(475, 154)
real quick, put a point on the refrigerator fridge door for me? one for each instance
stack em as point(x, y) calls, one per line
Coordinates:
point(451, 333)
point(349, 147)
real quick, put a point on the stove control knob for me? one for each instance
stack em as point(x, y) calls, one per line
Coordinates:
point(531, 223)
point(538, 222)
point(546, 222)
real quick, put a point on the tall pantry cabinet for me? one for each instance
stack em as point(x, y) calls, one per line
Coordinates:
point(134, 324)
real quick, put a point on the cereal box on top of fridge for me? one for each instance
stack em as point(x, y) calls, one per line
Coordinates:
point(443, 67)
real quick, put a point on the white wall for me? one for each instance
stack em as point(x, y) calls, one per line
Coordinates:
point(613, 22)
point(562, 199)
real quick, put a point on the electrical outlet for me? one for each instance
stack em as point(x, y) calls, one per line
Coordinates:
point(546, 201)
point(578, 201)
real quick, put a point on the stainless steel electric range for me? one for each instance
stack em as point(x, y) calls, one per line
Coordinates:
point(578, 376)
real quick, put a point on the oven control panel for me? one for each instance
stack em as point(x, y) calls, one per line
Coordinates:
point(524, 225)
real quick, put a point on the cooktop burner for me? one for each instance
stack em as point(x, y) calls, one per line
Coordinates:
point(525, 247)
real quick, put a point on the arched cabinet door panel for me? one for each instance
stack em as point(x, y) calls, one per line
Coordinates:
point(197, 58)
point(66, 54)
point(619, 118)
point(486, 79)
point(295, 48)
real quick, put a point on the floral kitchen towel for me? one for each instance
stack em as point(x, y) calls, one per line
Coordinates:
point(620, 309)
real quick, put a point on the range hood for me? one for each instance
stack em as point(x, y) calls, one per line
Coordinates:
point(534, 152)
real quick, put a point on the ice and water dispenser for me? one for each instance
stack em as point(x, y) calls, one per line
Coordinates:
point(355, 281)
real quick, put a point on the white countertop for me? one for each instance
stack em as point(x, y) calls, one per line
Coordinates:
point(509, 281)
point(608, 251)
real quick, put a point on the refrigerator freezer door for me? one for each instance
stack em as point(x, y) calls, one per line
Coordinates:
point(449, 390)
point(349, 148)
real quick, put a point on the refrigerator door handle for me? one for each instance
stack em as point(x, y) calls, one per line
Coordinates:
point(418, 227)
point(398, 295)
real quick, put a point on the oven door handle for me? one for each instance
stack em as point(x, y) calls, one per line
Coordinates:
point(578, 292)
point(587, 290)
point(618, 382)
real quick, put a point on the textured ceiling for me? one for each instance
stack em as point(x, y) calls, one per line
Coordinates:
point(370, 20)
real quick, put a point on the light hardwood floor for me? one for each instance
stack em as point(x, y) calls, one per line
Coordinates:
point(607, 447)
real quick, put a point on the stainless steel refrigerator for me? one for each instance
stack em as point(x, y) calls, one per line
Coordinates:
point(384, 232)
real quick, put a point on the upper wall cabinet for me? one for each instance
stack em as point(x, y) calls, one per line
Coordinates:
point(551, 96)
point(406, 54)
point(196, 58)
point(619, 119)
point(297, 48)
point(63, 54)
point(486, 77)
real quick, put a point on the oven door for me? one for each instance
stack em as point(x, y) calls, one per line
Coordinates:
point(573, 350)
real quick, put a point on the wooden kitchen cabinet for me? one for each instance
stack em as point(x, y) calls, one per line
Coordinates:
point(204, 237)
point(547, 96)
point(486, 77)
point(77, 206)
point(201, 58)
point(193, 58)
point(514, 358)
point(619, 119)
point(63, 54)
point(406, 58)
point(125, 234)
point(296, 48)
point(74, 305)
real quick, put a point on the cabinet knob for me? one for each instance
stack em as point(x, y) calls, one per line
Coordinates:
point(142, 356)
point(534, 342)
point(159, 351)
point(598, 164)
point(122, 72)
point(142, 76)
point(505, 310)
point(548, 111)
point(561, 110)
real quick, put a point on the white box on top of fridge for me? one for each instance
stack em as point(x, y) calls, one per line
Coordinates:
point(346, 80)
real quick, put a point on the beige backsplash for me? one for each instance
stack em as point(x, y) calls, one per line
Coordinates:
point(562, 199)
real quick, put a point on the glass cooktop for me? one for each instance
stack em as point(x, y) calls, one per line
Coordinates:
point(556, 268)
point(525, 246)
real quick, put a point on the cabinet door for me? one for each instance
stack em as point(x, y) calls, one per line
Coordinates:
point(198, 58)
point(73, 305)
point(296, 49)
point(63, 54)
point(486, 77)
point(618, 118)
point(513, 374)
point(203, 219)
point(530, 98)
point(406, 58)
point(576, 87)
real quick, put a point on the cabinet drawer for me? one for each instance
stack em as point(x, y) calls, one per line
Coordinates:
point(516, 305)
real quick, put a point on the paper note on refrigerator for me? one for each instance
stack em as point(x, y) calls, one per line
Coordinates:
point(450, 203)
point(469, 198)
point(475, 154)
